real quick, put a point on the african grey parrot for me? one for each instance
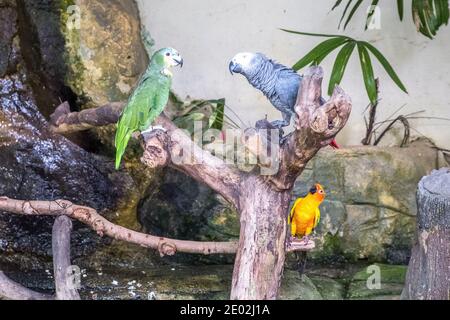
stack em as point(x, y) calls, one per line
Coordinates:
point(280, 84)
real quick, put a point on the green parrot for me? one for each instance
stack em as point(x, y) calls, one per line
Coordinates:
point(148, 100)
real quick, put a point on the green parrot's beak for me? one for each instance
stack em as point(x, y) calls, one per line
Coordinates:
point(179, 62)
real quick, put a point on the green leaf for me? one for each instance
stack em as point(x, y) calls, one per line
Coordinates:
point(430, 15)
point(385, 63)
point(350, 16)
point(216, 119)
point(323, 48)
point(339, 65)
point(445, 11)
point(343, 14)
point(367, 71)
point(400, 9)
point(315, 34)
point(371, 12)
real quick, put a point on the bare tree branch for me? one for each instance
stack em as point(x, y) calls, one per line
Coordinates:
point(10, 289)
point(159, 149)
point(90, 217)
point(61, 259)
point(176, 149)
point(63, 121)
point(315, 126)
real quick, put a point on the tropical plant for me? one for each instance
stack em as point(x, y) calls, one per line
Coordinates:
point(428, 15)
point(323, 49)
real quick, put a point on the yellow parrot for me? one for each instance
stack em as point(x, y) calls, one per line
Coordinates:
point(304, 217)
point(305, 213)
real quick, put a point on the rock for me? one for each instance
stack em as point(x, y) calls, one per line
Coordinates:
point(182, 208)
point(367, 214)
point(328, 288)
point(392, 279)
point(39, 165)
point(162, 283)
point(370, 207)
point(105, 55)
point(294, 287)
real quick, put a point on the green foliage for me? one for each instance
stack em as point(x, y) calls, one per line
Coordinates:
point(318, 53)
point(428, 15)
point(209, 112)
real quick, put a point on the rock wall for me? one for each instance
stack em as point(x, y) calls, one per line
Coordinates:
point(370, 208)
point(369, 212)
point(34, 162)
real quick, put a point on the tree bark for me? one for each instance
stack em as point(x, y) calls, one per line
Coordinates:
point(259, 263)
point(428, 276)
point(62, 229)
point(13, 291)
point(264, 201)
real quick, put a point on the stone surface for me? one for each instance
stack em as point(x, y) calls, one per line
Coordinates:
point(392, 279)
point(38, 165)
point(370, 208)
point(170, 282)
point(105, 55)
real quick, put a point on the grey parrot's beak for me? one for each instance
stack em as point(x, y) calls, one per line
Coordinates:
point(231, 67)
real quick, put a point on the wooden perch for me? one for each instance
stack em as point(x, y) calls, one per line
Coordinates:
point(90, 217)
point(11, 290)
point(63, 121)
point(428, 276)
point(176, 149)
point(65, 288)
point(315, 126)
point(61, 262)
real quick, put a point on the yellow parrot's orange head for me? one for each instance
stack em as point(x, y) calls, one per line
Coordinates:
point(318, 192)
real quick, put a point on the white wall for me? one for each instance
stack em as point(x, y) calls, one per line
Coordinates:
point(208, 33)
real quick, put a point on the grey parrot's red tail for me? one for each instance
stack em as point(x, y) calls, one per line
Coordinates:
point(334, 144)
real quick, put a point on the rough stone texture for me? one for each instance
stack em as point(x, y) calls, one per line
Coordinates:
point(105, 54)
point(369, 212)
point(168, 282)
point(370, 209)
point(179, 207)
point(163, 283)
point(392, 279)
point(35, 164)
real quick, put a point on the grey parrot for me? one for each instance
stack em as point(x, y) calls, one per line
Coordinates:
point(280, 84)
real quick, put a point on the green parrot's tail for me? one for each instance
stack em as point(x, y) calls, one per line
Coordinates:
point(122, 138)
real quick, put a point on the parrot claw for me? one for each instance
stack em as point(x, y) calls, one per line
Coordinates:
point(153, 128)
point(305, 239)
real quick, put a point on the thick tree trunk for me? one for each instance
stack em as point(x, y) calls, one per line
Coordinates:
point(261, 251)
point(428, 274)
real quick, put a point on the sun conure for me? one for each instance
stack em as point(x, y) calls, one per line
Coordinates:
point(305, 213)
point(148, 99)
point(304, 217)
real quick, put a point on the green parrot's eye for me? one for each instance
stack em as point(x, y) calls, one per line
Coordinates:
point(168, 54)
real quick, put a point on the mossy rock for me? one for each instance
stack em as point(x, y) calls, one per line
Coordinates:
point(104, 51)
point(328, 288)
point(392, 278)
